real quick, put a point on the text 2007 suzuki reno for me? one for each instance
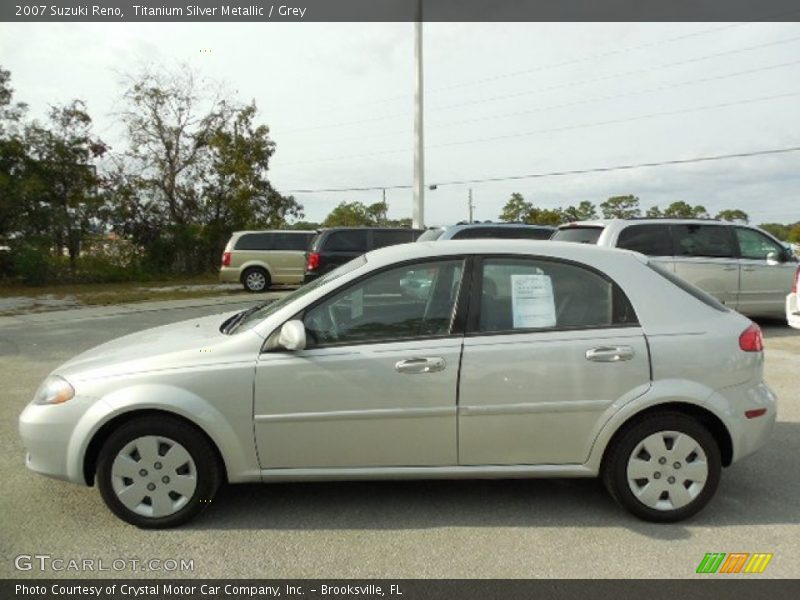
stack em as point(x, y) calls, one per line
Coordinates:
point(452, 359)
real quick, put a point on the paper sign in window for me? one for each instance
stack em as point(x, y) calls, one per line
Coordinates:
point(532, 301)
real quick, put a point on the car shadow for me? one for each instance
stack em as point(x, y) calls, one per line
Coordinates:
point(752, 492)
point(773, 328)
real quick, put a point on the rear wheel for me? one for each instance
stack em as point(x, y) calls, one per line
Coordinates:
point(256, 279)
point(664, 468)
point(157, 472)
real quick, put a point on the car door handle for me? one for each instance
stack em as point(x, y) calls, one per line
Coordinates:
point(609, 353)
point(748, 269)
point(730, 268)
point(421, 365)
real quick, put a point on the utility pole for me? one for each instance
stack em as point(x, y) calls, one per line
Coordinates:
point(418, 209)
point(470, 205)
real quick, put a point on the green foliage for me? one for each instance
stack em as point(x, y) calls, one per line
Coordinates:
point(733, 214)
point(683, 210)
point(585, 211)
point(654, 212)
point(621, 207)
point(516, 209)
point(32, 266)
point(779, 230)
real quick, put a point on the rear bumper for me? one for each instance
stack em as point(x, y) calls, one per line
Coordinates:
point(793, 310)
point(309, 277)
point(750, 434)
point(230, 275)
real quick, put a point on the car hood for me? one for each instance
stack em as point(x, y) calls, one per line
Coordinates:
point(168, 346)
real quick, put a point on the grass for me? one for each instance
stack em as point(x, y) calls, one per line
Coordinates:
point(105, 294)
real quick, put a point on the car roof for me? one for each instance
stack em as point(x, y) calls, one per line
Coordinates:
point(567, 250)
point(307, 231)
point(642, 221)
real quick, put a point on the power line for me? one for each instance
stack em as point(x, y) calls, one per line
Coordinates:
point(551, 130)
point(607, 169)
point(659, 88)
point(560, 86)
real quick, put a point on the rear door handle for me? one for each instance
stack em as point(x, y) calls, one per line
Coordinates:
point(414, 366)
point(729, 268)
point(609, 353)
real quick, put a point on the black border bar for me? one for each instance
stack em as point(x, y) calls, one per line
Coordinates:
point(707, 587)
point(399, 10)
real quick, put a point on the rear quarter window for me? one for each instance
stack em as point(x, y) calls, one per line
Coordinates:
point(687, 287)
point(653, 240)
point(255, 241)
point(345, 241)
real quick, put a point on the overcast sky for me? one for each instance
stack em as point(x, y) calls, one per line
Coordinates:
point(501, 100)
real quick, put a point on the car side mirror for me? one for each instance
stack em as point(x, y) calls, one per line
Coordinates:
point(773, 259)
point(292, 336)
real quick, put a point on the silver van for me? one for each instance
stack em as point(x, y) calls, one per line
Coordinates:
point(744, 267)
point(258, 259)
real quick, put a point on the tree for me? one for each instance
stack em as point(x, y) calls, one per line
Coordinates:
point(63, 177)
point(794, 234)
point(654, 212)
point(683, 210)
point(621, 207)
point(195, 170)
point(585, 211)
point(377, 212)
point(13, 158)
point(516, 209)
point(733, 214)
point(779, 230)
point(348, 214)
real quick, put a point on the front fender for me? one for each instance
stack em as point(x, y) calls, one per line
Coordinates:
point(234, 440)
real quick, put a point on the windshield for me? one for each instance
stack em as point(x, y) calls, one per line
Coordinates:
point(430, 234)
point(256, 315)
point(582, 235)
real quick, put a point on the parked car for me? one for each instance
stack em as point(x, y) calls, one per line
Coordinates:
point(742, 266)
point(793, 302)
point(258, 259)
point(338, 245)
point(523, 359)
point(471, 231)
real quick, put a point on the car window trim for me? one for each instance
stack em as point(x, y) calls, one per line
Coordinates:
point(454, 331)
point(781, 248)
point(473, 318)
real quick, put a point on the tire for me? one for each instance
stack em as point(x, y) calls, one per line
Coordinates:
point(256, 279)
point(158, 472)
point(663, 468)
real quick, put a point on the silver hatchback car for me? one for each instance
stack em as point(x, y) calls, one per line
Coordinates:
point(520, 359)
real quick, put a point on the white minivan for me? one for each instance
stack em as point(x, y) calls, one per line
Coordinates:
point(744, 267)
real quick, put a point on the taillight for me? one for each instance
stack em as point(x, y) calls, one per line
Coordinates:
point(751, 339)
point(796, 282)
point(226, 259)
point(313, 261)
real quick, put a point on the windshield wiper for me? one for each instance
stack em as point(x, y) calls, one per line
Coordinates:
point(230, 325)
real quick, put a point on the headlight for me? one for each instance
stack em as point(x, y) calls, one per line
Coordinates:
point(54, 390)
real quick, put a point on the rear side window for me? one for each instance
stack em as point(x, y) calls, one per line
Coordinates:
point(653, 240)
point(474, 233)
point(346, 241)
point(703, 240)
point(687, 287)
point(291, 241)
point(391, 237)
point(255, 241)
point(519, 293)
point(582, 235)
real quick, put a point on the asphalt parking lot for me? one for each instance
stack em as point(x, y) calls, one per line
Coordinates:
point(534, 528)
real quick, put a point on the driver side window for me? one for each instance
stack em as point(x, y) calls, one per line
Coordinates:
point(406, 302)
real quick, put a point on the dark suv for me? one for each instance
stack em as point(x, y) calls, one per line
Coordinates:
point(338, 245)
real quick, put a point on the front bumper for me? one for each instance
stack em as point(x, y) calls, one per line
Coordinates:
point(48, 431)
point(793, 310)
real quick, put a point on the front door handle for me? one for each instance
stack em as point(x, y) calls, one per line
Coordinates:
point(421, 365)
point(609, 353)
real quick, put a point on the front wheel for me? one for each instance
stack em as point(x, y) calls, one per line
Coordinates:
point(665, 468)
point(157, 472)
